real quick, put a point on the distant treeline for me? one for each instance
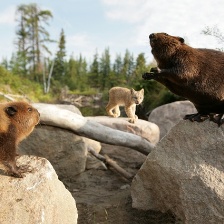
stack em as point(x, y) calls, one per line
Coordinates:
point(55, 72)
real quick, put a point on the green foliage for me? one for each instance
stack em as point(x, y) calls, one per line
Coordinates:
point(77, 77)
point(104, 69)
point(93, 76)
point(10, 83)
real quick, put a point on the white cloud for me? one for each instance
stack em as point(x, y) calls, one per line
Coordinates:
point(80, 44)
point(78, 40)
point(8, 16)
point(186, 18)
point(130, 12)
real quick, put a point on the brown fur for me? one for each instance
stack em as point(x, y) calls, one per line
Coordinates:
point(17, 121)
point(194, 73)
point(129, 98)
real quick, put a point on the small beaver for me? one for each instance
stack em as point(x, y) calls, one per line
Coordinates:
point(193, 73)
point(17, 121)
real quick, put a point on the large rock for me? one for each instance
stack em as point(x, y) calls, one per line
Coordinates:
point(39, 197)
point(66, 151)
point(185, 174)
point(145, 129)
point(168, 115)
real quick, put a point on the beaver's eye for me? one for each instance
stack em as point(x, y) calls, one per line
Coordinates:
point(30, 109)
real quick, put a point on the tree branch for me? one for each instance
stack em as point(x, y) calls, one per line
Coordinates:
point(112, 163)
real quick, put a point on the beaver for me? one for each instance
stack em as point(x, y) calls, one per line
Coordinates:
point(193, 73)
point(17, 121)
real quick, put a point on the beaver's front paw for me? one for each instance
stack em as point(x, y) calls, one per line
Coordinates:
point(148, 76)
point(196, 117)
point(155, 70)
point(152, 74)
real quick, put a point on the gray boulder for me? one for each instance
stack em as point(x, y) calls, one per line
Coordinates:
point(184, 174)
point(39, 197)
point(66, 151)
point(168, 115)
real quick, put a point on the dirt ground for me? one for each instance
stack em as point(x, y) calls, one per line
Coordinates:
point(103, 196)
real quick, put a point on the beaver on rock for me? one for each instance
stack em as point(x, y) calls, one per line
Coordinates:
point(194, 73)
point(17, 121)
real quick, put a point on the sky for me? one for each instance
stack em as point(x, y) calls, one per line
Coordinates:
point(91, 26)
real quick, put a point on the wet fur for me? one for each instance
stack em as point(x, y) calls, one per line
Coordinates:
point(194, 73)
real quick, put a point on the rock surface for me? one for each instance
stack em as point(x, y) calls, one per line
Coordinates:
point(168, 115)
point(66, 151)
point(145, 129)
point(185, 174)
point(39, 197)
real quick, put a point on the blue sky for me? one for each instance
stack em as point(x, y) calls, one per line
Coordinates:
point(93, 25)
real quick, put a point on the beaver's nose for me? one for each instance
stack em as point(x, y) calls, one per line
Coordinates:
point(152, 35)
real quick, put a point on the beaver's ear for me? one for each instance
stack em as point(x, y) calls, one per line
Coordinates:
point(11, 111)
point(181, 40)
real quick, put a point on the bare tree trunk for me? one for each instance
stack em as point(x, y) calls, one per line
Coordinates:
point(44, 78)
point(49, 77)
point(52, 115)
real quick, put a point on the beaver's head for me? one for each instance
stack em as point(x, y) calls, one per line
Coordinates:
point(23, 117)
point(162, 43)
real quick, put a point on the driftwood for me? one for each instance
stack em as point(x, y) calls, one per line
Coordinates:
point(106, 159)
point(119, 169)
point(54, 116)
point(7, 96)
point(14, 97)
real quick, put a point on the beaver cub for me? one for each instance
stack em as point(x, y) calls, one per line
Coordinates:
point(17, 121)
point(193, 73)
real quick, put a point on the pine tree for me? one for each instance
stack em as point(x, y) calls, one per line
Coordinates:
point(128, 66)
point(94, 72)
point(117, 78)
point(140, 68)
point(32, 37)
point(82, 73)
point(104, 68)
point(60, 62)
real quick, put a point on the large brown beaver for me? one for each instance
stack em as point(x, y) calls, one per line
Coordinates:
point(193, 73)
point(17, 121)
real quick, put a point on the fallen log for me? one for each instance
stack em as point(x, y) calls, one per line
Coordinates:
point(52, 115)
